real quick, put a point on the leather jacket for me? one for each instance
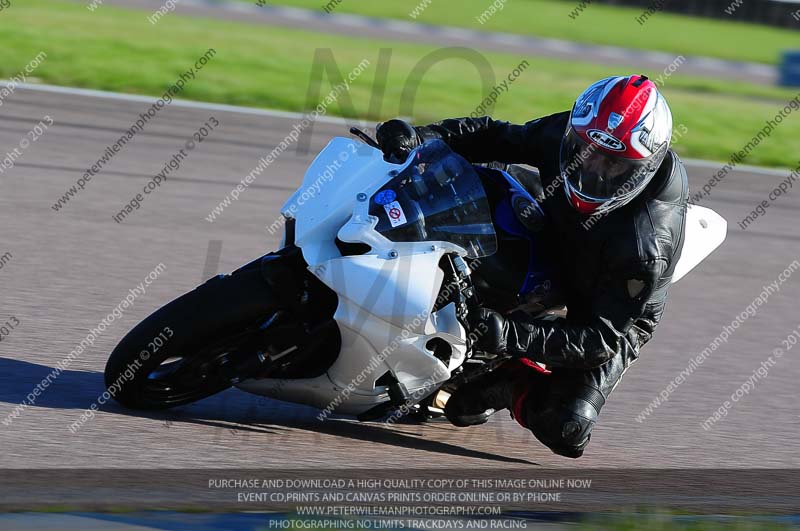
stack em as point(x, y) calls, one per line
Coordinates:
point(614, 273)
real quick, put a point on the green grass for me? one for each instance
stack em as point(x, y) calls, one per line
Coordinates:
point(116, 49)
point(598, 24)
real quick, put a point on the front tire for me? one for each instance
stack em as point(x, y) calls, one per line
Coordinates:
point(169, 359)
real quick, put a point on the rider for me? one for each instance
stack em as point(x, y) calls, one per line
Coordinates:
point(614, 198)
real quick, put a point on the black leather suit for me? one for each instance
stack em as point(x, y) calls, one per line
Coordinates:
point(614, 274)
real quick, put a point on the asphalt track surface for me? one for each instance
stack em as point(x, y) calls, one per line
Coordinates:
point(70, 268)
point(447, 36)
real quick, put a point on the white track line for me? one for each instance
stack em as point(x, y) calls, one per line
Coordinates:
point(175, 102)
point(273, 113)
point(714, 165)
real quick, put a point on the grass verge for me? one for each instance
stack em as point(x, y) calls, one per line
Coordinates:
point(117, 49)
point(596, 24)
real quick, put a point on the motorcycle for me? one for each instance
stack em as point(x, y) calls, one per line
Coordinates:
point(363, 309)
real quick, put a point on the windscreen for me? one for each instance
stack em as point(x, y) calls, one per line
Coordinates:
point(438, 197)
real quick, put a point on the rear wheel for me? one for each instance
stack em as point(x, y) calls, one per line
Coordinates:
point(186, 350)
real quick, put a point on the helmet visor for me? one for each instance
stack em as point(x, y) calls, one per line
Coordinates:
point(597, 175)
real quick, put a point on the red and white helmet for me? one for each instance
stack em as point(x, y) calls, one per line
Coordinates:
point(618, 135)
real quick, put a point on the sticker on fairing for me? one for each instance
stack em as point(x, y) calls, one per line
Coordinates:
point(395, 212)
point(385, 197)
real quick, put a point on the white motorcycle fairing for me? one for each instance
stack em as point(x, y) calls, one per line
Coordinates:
point(705, 231)
point(384, 314)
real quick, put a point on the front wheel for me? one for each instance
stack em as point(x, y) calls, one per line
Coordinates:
point(179, 354)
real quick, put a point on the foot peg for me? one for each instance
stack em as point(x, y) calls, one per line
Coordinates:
point(398, 396)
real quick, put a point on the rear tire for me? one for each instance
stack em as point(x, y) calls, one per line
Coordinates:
point(158, 364)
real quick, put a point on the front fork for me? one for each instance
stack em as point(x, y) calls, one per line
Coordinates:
point(283, 343)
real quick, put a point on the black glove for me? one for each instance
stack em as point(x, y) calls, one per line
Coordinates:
point(489, 331)
point(397, 139)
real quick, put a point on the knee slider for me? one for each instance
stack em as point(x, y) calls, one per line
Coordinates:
point(567, 428)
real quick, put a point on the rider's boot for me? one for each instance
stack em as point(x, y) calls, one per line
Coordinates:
point(473, 403)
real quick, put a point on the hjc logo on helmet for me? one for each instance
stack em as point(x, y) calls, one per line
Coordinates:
point(606, 140)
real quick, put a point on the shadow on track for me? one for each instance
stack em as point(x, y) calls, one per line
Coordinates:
point(71, 389)
point(231, 410)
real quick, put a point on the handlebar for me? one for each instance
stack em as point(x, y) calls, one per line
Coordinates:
point(355, 131)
